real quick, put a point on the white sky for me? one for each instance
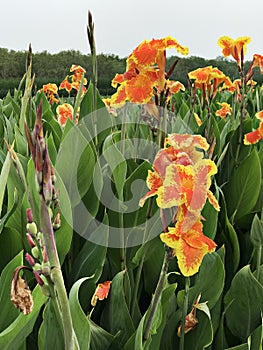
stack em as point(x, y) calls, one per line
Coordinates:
point(120, 25)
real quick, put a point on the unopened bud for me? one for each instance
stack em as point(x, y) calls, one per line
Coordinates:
point(30, 240)
point(57, 221)
point(38, 278)
point(29, 215)
point(35, 252)
point(46, 269)
point(44, 254)
point(30, 259)
point(32, 228)
point(40, 239)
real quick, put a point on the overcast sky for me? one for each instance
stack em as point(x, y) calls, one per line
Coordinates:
point(56, 25)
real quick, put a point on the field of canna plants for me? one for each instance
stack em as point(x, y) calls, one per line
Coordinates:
point(133, 221)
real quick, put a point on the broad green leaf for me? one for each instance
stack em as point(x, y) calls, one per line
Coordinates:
point(75, 164)
point(116, 162)
point(116, 317)
point(50, 335)
point(9, 212)
point(256, 339)
point(256, 232)
point(91, 259)
point(242, 190)
point(87, 102)
point(229, 237)
point(100, 339)
point(79, 319)
point(11, 244)
point(244, 304)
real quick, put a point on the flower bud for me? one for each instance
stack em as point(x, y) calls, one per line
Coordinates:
point(30, 259)
point(44, 254)
point(35, 252)
point(32, 228)
point(46, 269)
point(38, 278)
point(29, 215)
point(30, 240)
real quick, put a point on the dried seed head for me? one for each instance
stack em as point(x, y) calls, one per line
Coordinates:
point(20, 294)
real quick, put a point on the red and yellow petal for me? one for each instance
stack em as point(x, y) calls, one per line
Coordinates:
point(101, 292)
point(224, 110)
point(259, 115)
point(177, 186)
point(189, 248)
point(153, 181)
point(226, 43)
point(212, 200)
point(254, 136)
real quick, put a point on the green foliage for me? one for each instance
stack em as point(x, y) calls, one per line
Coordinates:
point(100, 166)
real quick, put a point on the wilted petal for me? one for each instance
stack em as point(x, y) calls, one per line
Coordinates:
point(20, 293)
point(101, 292)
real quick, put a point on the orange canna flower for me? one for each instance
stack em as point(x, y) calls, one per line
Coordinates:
point(234, 47)
point(189, 247)
point(78, 72)
point(101, 292)
point(188, 186)
point(256, 135)
point(64, 112)
point(50, 91)
point(65, 84)
point(145, 72)
point(181, 176)
point(224, 110)
point(208, 79)
point(258, 62)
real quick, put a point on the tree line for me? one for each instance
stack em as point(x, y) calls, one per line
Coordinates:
point(52, 68)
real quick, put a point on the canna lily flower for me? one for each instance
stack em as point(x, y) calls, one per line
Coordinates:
point(188, 186)
point(189, 247)
point(73, 81)
point(78, 72)
point(145, 72)
point(65, 84)
point(180, 176)
point(224, 110)
point(64, 112)
point(235, 48)
point(258, 62)
point(101, 292)
point(256, 135)
point(50, 91)
point(208, 79)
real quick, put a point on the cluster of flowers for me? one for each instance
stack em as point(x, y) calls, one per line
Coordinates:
point(71, 82)
point(181, 178)
point(145, 80)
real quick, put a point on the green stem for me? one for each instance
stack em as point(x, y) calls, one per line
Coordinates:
point(184, 312)
point(56, 276)
point(156, 297)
